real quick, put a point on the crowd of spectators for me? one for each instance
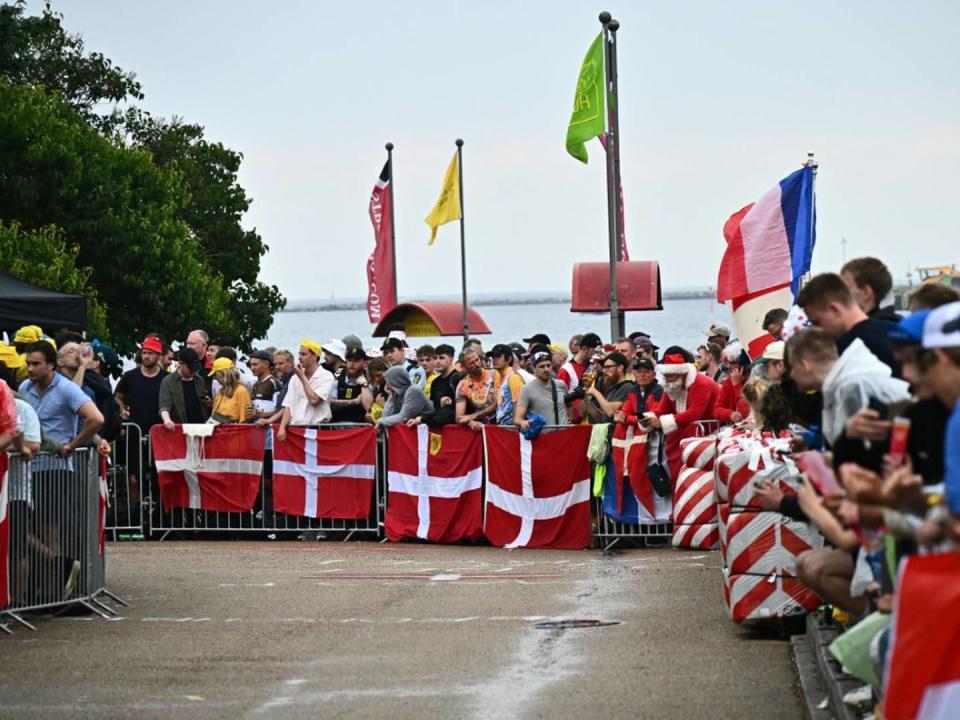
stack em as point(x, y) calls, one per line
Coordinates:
point(842, 375)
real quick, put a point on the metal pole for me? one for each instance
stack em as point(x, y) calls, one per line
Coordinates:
point(616, 317)
point(812, 163)
point(463, 246)
point(393, 227)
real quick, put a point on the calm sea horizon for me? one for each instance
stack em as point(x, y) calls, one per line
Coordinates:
point(681, 322)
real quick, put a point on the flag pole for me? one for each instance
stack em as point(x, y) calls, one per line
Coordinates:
point(393, 227)
point(610, 26)
point(463, 251)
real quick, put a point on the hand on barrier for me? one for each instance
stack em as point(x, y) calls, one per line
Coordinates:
point(475, 425)
point(262, 422)
point(281, 434)
point(413, 422)
point(769, 495)
point(103, 447)
point(619, 417)
point(170, 425)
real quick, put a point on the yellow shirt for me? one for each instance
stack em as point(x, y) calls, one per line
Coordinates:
point(232, 409)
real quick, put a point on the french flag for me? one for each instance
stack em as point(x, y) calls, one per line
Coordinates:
point(770, 242)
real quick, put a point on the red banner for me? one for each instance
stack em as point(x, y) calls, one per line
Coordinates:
point(538, 492)
point(208, 467)
point(435, 477)
point(382, 290)
point(325, 473)
point(4, 534)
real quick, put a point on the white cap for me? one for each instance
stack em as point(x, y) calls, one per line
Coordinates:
point(942, 327)
point(336, 347)
point(774, 351)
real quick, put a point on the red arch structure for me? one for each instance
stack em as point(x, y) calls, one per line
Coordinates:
point(431, 319)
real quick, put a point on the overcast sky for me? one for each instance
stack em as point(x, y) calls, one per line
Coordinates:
point(719, 101)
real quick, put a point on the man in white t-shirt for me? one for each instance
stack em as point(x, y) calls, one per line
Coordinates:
point(307, 401)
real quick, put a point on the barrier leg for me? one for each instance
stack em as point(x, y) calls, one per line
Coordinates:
point(15, 616)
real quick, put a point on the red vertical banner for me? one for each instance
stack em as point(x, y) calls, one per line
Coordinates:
point(382, 290)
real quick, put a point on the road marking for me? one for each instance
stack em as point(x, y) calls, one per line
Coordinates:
point(266, 584)
point(446, 576)
point(419, 576)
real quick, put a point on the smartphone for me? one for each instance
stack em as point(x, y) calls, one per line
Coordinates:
point(881, 408)
point(820, 474)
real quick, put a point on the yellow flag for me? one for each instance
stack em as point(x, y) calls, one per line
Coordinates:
point(447, 207)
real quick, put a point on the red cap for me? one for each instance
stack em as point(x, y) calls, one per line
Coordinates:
point(153, 345)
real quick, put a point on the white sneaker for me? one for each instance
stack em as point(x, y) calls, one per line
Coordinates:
point(859, 696)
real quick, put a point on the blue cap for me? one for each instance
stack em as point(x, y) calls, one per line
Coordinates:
point(909, 331)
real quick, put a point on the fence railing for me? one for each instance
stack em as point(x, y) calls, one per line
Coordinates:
point(135, 509)
point(55, 554)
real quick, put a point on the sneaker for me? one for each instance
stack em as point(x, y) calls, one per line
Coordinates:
point(72, 573)
point(859, 696)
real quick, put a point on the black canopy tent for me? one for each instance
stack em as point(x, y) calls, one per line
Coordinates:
point(22, 303)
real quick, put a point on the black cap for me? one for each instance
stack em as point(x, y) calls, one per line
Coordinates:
point(540, 354)
point(188, 356)
point(617, 358)
point(591, 340)
point(538, 339)
point(261, 355)
point(638, 334)
point(392, 344)
point(355, 353)
point(644, 364)
point(501, 350)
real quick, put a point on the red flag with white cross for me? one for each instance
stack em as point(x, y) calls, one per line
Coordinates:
point(434, 477)
point(538, 492)
point(325, 473)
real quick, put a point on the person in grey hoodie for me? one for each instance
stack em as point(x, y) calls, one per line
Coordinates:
point(406, 400)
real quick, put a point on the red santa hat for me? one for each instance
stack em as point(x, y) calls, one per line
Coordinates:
point(674, 363)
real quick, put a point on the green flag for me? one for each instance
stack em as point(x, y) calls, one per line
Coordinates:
point(587, 120)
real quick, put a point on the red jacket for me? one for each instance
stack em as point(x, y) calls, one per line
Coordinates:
point(730, 399)
point(678, 418)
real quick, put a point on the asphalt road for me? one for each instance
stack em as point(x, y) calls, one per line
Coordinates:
point(362, 630)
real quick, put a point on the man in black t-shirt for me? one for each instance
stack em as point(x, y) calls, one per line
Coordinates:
point(602, 406)
point(138, 395)
point(138, 392)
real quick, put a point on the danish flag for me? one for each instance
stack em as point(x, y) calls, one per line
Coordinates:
point(325, 473)
point(208, 467)
point(4, 534)
point(923, 665)
point(102, 503)
point(434, 478)
point(538, 492)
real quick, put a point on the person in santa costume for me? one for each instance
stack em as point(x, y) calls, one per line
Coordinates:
point(689, 396)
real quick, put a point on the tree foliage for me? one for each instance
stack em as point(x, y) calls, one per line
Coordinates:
point(118, 210)
point(42, 257)
point(151, 206)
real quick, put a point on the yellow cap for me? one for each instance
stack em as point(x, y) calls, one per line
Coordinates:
point(559, 350)
point(221, 363)
point(10, 357)
point(28, 334)
point(312, 347)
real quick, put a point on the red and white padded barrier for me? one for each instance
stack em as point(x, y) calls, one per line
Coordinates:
point(699, 452)
point(695, 511)
point(766, 597)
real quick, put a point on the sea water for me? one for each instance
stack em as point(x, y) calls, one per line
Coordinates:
point(681, 322)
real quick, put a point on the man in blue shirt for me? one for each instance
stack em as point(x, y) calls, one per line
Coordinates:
point(59, 403)
point(59, 499)
point(941, 334)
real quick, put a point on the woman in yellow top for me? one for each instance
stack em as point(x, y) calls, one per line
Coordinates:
point(232, 404)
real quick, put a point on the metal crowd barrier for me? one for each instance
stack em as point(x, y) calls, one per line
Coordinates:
point(263, 518)
point(129, 477)
point(55, 555)
point(609, 532)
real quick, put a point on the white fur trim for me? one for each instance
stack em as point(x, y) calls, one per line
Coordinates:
point(668, 424)
point(675, 369)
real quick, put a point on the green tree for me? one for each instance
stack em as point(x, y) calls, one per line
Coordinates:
point(204, 196)
point(208, 171)
point(118, 210)
point(36, 50)
point(42, 257)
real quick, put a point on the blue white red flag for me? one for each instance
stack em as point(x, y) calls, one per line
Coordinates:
point(770, 242)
